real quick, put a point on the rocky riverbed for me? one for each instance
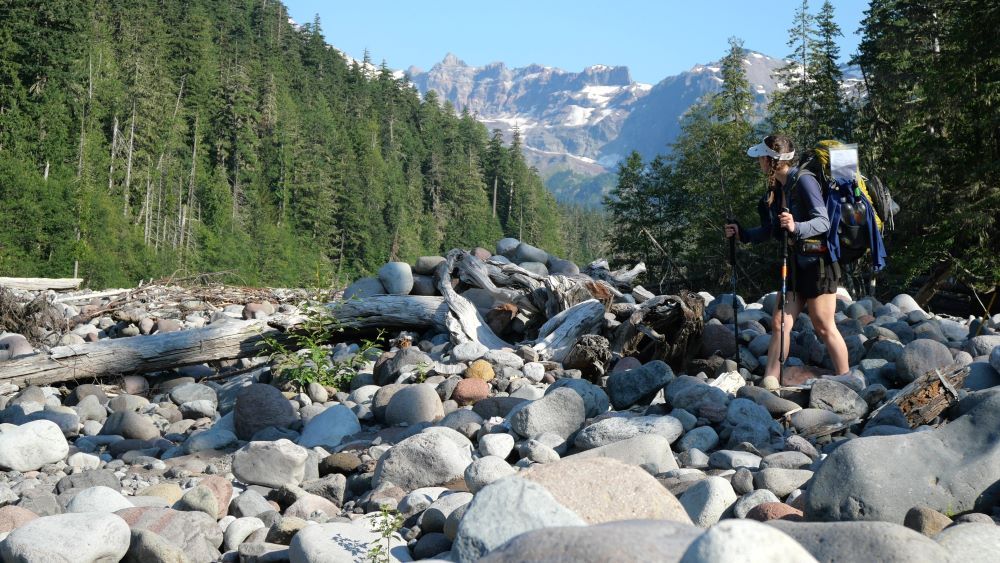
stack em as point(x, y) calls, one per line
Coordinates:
point(438, 451)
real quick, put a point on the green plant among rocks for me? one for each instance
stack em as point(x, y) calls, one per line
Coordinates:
point(303, 355)
point(387, 523)
point(421, 370)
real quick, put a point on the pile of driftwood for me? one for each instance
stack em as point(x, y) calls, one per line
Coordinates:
point(42, 316)
point(550, 314)
point(581, 321)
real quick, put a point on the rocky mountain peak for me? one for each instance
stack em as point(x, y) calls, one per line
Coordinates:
point(604, 75)
point(452, 60)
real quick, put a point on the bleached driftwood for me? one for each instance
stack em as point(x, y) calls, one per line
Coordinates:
point(558, 335)
point(38, 284)
point(401, 312)
point(562, 292)
point(91, 295)
point(463, 321)
point(622, 278)
point(473, 271)
point(218, 341)
point(138, 354)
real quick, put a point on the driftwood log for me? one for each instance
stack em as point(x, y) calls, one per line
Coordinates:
point(622, 278)
point(927, 396)
point(138, 354)
point(40, 284)
point(218, 341)
point(463, 321)
point(666, 327)
point(558, 335)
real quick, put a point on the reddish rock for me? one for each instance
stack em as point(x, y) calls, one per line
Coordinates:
point(797, 375)
point(13, 517)
point(221, 489)
point(196, 533)
point(774, 511)
point(627, 363)
point(468, 391)
point(482, 253)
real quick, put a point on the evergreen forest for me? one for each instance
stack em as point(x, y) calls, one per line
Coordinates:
point(142, 139)
point(927, 122)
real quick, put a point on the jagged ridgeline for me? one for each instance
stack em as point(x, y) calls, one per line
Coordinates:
point(143, 138)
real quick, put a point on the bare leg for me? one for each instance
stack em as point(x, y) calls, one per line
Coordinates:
point(792, 310)
point(821, 310)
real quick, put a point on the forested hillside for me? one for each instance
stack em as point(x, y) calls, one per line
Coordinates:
point(141, 139)
point(927, 124)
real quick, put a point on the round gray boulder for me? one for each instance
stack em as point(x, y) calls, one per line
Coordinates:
point(527, 253)
point(428, 459)
point(561, 412)
point(31, 445)
point(616, 429)
point(364, 287)
point(745, 541)
point(503, 510)
point(921, 356)
point(396, 278)
point(84, 537)
point(507, 246)
point(595, 400)
point(414, 404)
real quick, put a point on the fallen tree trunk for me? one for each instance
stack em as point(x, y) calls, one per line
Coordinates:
point(138, 354)
point(220, 341)
point(92, 295)
point(401, 312)
point(37, 284)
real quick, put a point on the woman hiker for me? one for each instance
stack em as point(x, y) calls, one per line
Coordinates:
point(813, 279)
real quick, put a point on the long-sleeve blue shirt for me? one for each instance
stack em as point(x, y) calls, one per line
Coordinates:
point(807, 208)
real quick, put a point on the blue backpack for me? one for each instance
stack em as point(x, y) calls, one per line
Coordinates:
point(854, 226)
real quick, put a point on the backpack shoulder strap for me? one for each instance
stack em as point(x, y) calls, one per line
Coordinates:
point(792, 192)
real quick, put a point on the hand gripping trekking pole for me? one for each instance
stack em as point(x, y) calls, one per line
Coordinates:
point(784, 295)
point(736, 319)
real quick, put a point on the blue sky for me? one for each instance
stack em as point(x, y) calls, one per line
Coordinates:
point(655, 39)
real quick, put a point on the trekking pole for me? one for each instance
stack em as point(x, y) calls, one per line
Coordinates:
point(784, 295)
point(736, 319)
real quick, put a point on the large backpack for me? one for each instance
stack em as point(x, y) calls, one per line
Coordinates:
point(856, 222)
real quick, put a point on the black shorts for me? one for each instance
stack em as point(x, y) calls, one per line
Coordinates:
point(812, 276)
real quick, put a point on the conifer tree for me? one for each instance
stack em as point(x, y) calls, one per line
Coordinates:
point(791, 105)
point(930, 126)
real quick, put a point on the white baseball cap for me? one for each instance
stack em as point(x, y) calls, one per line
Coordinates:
point(761, 149)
